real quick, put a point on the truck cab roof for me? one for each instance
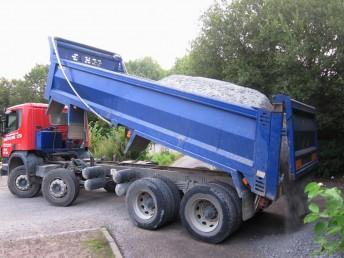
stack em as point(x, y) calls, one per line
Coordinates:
point(28, 105)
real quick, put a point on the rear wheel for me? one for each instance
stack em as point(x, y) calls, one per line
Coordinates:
point(59, 187)
point(208, 213)
point(234, 198)
point(148, 202)
point(20, 185)
point(175, 198)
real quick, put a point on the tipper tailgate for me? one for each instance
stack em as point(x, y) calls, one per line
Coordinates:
point(301, 129)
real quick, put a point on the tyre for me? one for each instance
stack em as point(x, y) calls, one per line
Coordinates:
point(110, 186)
point(19, 185)
point(59, 187)
point(176, 198)
point(208, 213)
point(148, 202)
point(77, 186)
point(235, 199)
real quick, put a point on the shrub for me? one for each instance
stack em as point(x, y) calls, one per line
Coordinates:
point(163, 158)
point(329, 227)
point(108, 143)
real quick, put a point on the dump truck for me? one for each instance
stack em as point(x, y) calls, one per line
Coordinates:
point(254, 150)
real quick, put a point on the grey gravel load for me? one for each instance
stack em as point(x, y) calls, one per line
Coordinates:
point(219, 90)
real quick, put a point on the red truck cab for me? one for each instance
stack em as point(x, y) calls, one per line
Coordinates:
point(21, 124)
point(24, 124)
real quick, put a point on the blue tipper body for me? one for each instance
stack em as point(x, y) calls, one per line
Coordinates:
point(241, 140)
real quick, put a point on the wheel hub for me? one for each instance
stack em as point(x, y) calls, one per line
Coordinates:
point(145, 206)
point(58, 188)
point(204, 215)
point(22, 183)
point(209, 212)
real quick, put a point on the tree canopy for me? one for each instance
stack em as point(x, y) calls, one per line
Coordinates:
point(294, 47)
point(29, 89)
point(145, 67)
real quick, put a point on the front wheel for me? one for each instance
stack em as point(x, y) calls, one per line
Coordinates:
point(60, 187)
point(19, 184)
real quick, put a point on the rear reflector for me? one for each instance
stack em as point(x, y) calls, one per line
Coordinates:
point(314, 156)
point(298, 163)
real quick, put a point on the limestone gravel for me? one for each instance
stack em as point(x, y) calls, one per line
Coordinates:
point(219, 90)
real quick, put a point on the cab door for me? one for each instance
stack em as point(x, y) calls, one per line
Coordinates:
point(12, 136)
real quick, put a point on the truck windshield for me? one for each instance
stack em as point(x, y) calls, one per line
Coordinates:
point(13, 121)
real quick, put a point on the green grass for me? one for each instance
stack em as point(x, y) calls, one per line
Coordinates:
point(99, 246)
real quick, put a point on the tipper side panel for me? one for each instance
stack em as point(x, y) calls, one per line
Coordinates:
point(231, 137)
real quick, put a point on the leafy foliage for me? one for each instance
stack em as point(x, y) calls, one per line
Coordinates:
point(5, 92)
point(183, 65)
point(329, 227)
point(30, 89)
point(145, 67)
point(163, 158)
point(279, 46)
point(108, 143)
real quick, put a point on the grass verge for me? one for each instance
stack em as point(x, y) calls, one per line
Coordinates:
point(99, 246)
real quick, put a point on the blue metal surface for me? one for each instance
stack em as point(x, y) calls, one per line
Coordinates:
point(81, 53)
point(48, 140)
point(242, 140)
point(301, 128)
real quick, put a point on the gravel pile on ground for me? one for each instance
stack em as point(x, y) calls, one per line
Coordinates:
point(220, 90)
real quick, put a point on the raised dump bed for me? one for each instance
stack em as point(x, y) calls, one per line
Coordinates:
point(241, 140)
point(231, 137)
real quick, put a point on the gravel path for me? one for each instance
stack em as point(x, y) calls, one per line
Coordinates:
point(266, 235)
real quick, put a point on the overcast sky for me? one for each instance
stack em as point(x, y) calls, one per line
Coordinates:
point(162, 29)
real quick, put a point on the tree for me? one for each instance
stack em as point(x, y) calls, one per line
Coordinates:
point(183, 65)
point(31, 89)
point(145, 67)
point(290, 46)
point(5, 89)
point(35, 80)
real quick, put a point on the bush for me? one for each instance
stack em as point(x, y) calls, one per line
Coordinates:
point(331, 156)
point(108, 143)
point(164, 158)
point(329, 227)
